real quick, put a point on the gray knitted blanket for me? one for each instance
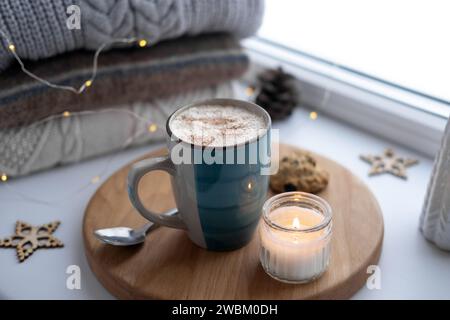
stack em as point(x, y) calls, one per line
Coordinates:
point(38, 28)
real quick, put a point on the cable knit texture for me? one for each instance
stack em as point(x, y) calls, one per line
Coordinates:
point(38, 27)
point(435, 218)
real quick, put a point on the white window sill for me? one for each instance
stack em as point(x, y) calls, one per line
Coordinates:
point(410, 266)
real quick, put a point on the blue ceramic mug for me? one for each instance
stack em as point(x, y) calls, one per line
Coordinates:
point(218, 204)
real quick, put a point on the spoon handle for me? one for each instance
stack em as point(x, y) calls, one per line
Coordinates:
point(146, 228)
point(149, 226)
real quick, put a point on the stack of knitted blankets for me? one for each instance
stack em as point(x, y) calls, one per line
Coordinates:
point(194, 54)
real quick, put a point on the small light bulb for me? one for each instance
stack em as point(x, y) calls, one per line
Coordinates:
point(88, 83)
point(249, 186)
point(12, 47)
point(95, 179)
point(313, 115)
point(4, 177)
point(249, 91)
point(142, 43)
point(66, 114)
point(152, 127)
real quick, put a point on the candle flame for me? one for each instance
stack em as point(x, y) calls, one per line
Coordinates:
point(296, 223)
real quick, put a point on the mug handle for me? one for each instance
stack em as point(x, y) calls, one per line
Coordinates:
point(170, 218)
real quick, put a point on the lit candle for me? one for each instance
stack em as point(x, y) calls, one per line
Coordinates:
point(295, 237)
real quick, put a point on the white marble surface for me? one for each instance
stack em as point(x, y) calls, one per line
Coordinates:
point(410, 266)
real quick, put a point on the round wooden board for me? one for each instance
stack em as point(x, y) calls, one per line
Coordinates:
point(169, 266)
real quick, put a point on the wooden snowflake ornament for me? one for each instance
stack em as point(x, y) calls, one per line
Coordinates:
point(389, 162)
point(29, 238)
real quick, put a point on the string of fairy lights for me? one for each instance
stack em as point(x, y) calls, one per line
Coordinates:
point(86, 84)
point(150, 126)
point(96, 178)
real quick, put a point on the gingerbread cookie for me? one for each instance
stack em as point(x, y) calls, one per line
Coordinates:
point(298, 172)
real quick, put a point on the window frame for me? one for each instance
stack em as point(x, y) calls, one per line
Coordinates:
point(387, 110)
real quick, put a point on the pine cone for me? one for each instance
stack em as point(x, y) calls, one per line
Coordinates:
point(278, 94)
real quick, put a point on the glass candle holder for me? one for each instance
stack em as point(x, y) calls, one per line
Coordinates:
point(295, 235)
